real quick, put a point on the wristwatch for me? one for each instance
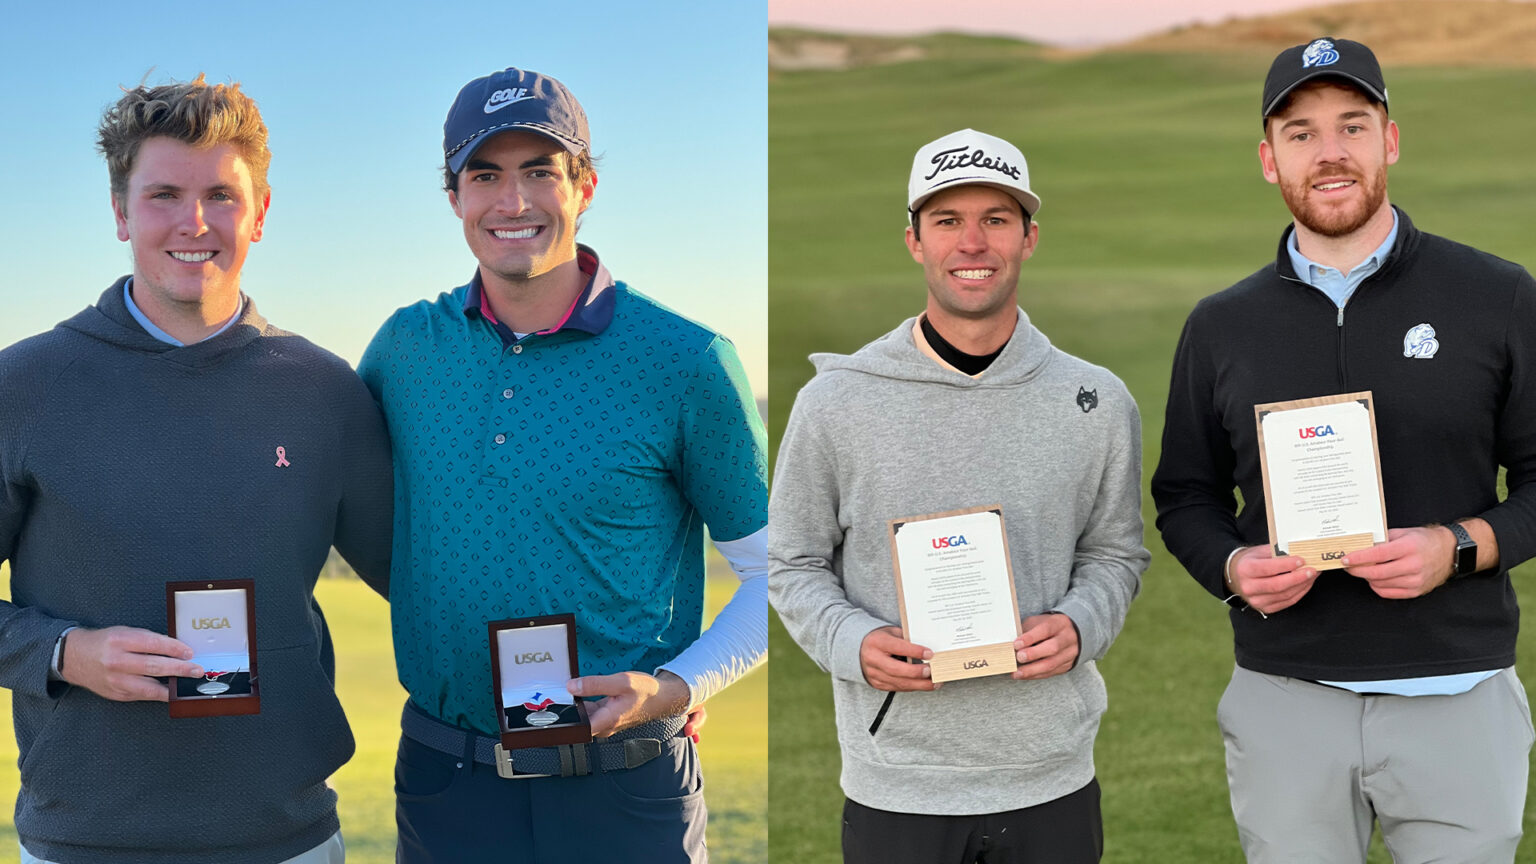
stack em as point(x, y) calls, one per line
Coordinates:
point(1466, 551)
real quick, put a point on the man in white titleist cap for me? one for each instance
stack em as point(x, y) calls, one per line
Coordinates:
point(991, 767)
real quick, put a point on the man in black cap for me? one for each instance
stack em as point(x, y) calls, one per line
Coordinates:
point(1386, 690)
point(562, 442)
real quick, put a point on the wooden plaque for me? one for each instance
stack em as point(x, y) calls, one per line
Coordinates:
point(1324, 552)
point(990, 657)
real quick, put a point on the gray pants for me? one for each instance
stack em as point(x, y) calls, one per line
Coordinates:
point(1309, 766)
point(332, 851)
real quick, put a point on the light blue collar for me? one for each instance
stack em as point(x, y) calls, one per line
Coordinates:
point(1340, 286)
point(151, 329)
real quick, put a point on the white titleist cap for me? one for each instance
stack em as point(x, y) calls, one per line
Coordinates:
point(969, 157)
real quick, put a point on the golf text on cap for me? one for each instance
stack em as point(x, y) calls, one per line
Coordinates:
point(512, 99)
point(1319, 53)
point(502, 98)
point(949, 160)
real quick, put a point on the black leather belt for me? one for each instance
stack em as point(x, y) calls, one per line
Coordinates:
point(630, 748)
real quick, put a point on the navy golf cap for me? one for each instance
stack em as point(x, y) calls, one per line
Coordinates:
point(1339, 58)
point(512, 99)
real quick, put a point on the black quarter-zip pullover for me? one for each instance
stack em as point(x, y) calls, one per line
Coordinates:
point(1445, 424)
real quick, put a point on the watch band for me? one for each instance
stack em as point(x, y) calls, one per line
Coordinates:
point(1226, 569)
point(56, 665)
point(1465, 556)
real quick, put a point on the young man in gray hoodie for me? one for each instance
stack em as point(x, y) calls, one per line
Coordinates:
point(965, 405)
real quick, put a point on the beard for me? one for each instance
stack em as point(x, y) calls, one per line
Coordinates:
point(1332, 220)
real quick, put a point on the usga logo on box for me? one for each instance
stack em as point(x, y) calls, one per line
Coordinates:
point(1315, 431)
point(533, 657)
point(946, 542)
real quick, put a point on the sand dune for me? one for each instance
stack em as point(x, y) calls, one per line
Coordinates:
point(1402, 33)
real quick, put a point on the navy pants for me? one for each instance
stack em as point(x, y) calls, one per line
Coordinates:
point(450, 809)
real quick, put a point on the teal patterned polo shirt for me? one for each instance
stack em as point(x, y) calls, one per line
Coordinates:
point(570, 470)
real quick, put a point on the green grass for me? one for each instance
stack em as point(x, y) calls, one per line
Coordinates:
point(1152, 199)
point(734, 742)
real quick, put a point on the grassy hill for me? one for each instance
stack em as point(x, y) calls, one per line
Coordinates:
point(1146, 164)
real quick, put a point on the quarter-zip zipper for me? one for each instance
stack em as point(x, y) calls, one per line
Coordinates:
point(1386, 263)
point(1343, 369)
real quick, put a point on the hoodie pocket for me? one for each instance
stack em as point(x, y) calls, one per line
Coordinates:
point(46, 716)
point(981, 723)
point(96, 756)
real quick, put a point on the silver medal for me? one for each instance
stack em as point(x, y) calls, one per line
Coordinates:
point(212, 686)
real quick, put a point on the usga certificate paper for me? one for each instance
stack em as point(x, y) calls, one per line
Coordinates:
point(954, 581)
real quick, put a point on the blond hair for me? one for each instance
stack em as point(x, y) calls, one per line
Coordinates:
point(194, 112)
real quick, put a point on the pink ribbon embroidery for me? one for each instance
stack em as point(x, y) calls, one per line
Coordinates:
point(282, 458)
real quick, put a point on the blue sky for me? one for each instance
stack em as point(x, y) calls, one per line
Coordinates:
point(354, 96)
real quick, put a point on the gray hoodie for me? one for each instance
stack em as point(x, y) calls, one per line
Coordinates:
point(889, 432)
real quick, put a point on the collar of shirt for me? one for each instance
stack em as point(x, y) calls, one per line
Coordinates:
point(1340, 286)
point(930, 340)
point(590, 312)
point(151, 329)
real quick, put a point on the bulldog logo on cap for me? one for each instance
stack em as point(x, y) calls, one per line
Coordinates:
point(1327, 57)
point(1319, 53)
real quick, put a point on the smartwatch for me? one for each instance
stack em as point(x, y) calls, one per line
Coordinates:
point(1465, 556)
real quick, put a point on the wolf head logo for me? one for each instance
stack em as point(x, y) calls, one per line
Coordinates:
point(1087, 399)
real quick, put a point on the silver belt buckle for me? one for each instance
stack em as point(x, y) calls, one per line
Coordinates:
point(504, 767)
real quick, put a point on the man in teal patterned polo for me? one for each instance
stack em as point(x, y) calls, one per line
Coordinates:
point(560, 444)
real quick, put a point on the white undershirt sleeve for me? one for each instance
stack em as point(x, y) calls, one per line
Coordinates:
point(737, 640)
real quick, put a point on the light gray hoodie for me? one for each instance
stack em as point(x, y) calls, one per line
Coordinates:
point(889, 432)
